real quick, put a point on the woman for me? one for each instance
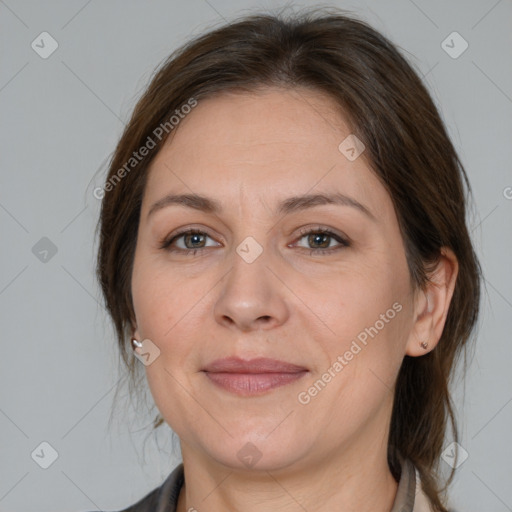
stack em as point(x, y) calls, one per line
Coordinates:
point(283, 240)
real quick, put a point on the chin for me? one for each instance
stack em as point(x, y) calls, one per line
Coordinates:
point(257, 454)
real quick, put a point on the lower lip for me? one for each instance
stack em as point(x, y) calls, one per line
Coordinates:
point(250, 384)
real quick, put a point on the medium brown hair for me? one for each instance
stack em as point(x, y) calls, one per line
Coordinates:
point(407, 146)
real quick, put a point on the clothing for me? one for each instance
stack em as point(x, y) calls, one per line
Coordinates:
point(409, 497)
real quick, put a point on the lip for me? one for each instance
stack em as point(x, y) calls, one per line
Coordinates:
point(254, 376)
point(258, 365)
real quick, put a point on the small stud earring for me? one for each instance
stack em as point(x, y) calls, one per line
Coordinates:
point(424, 345)
point(136, 344)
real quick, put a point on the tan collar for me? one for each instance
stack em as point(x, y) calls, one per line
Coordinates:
point(410, 496)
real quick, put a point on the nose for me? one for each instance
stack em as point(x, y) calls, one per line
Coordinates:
point(251, 297)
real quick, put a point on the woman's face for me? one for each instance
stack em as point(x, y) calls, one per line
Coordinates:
point(253, 285)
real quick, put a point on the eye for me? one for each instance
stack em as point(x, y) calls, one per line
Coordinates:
point(193, 240)
point(321, 238)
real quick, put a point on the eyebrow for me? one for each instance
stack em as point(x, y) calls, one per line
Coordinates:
point(287, 206)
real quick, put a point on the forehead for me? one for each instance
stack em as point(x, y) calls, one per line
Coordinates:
point(272, 142)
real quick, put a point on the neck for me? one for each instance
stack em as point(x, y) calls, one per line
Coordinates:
point(354, 480)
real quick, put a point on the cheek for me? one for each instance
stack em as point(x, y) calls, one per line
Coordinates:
point(169, 311)
point(165, 314)
point(368, 315)
point(364, 359)
point(156, 297)
point(150, 305)
point(356, 300)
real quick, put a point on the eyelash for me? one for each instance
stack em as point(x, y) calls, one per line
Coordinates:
point(166, 243)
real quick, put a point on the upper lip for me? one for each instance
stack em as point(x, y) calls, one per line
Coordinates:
point(258, 365)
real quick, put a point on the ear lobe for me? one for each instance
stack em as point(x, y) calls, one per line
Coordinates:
point(432, 305)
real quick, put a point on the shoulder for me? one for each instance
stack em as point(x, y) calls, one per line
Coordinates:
point(410, 496)
point(421, 501)
point(163, 498)
point(147, 504)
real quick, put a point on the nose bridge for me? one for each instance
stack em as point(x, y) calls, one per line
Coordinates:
point(252, 250)
point(249, 263)
point(250, 295)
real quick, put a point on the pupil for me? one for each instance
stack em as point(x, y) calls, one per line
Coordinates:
point(318, 236)
point(194, 236)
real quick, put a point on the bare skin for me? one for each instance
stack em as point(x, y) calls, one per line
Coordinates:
point(204, 301)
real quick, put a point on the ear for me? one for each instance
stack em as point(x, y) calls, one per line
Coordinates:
point(431, 305)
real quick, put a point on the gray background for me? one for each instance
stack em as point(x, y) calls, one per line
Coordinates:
point(61, 118)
